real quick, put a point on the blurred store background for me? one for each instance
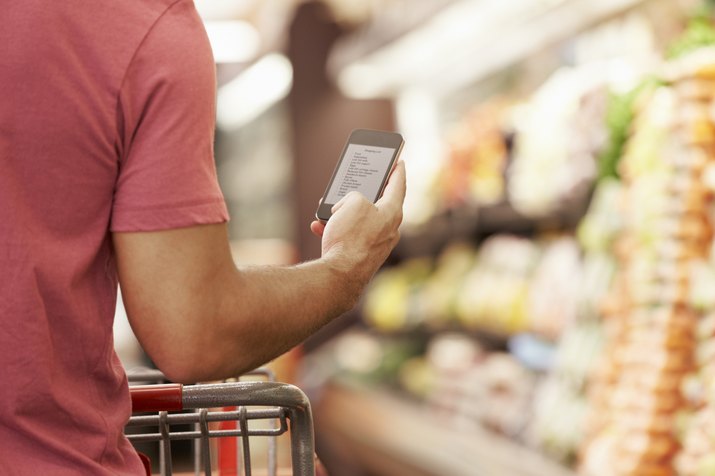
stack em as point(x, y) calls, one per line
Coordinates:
point(550, 309)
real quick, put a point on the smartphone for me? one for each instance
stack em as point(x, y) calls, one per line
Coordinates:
point(364, 166)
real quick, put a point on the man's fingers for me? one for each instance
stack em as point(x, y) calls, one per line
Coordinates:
point(317, 228)
point(319, 468)
point(396, 186)
point(352, 197)
point(338, 205)
point(394, 193)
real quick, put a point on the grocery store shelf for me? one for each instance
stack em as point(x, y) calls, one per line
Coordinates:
point(491, 339)
point(418, 442)
point(472, 223)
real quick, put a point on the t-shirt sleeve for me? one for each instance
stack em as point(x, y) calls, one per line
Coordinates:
point(166, 118)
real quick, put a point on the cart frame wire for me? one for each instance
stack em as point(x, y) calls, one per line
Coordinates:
point(239, 402)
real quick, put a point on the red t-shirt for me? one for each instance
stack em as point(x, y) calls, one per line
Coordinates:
point(106, 123)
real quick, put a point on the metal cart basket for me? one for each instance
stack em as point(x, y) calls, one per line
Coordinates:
point(162, 407)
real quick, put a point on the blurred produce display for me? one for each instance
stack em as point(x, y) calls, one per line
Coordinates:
point(473, 173)
point(560, 407)
point(594, 345)
point(506, 287)
point(537, 155)
point(558, 134)
point(540, 293)
point(509, 284)
point(650, 408)
point(474, 387)
point(626, 307)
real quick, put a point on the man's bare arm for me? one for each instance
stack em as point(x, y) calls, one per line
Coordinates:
point(199, 317)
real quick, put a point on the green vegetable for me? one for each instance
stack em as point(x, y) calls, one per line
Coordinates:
point(698, 34)
point(619, 116)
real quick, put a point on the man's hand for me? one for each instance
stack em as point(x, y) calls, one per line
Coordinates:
point(359, 236)
point(319, 468)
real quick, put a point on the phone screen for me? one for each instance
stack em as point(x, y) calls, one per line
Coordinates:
point(364, 165)
point(362, 169)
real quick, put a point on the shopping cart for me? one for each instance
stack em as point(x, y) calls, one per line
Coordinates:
point(167, 409)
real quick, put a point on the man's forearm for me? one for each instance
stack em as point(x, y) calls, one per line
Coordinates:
point(200, 318)
point(265, 311)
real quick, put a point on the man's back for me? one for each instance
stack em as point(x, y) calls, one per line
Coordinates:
point(88, 108)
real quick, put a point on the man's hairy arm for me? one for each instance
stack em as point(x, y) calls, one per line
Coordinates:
point(199, 317)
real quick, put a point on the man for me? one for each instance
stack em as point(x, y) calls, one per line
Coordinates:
point(106, 175)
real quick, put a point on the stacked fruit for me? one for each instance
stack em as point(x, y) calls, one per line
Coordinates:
point(651, 319)
point(695, 86)
point(698, 454)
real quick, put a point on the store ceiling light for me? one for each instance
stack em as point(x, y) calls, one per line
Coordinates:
point(456, 29)
point(233, 41)
point(465, 42)
point(254, 91)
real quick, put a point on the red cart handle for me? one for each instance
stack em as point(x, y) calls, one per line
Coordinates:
point(157, 398)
